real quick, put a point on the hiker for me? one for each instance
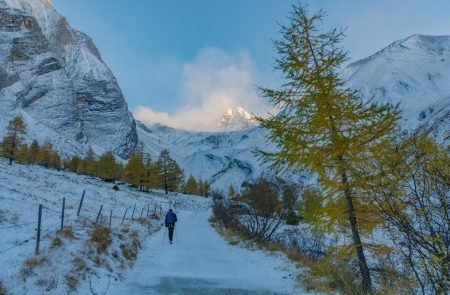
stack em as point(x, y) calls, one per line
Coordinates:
point(171, 218)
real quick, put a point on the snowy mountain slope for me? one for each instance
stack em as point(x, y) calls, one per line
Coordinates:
point(54, 76)
point(222, 158)
point(414, 72)
point(235, 119)
point(24, 187)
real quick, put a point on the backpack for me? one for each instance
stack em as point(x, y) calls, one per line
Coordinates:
point(169, 217)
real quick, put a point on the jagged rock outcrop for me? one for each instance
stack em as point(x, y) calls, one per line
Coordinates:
point(55, 78)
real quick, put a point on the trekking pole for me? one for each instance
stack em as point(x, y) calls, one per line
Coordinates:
point(176, 234)
point(164, 236)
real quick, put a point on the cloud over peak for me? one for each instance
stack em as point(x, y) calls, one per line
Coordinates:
point(211, 84)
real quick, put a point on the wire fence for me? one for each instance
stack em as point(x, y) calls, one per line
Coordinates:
point(152, 207)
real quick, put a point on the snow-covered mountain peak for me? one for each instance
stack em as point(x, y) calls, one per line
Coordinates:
point(236, 118)
point(424, 44)
point(29, 5)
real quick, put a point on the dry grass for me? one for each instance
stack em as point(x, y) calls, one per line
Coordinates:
point(141, 221)
point(154, 216)
point(101, 238)
point(56, 243)
point(78, 264)
point(323, 276)
point(130, 251)
point(72, 281)
point(67, 233)
point(30, 264)
point(48, 284)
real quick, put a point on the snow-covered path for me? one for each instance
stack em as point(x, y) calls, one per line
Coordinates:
point(201, 262)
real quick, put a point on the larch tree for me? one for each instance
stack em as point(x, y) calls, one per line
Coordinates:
point(34, 151)
point(89, 162)
point(135, 172)
point(323, 126)
point(15, 132)
point(171, 174)
point(107, 167)
point(191, 186)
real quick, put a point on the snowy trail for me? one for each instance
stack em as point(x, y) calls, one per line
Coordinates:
point(201, 262)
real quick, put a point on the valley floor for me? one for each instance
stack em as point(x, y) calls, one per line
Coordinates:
point(201, 262)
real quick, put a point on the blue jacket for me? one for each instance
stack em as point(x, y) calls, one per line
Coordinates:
point(174, 218)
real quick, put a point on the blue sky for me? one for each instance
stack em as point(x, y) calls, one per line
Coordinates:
point(184, 63)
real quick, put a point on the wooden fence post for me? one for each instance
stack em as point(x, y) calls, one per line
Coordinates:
point(62, 213)
point(81, 203)
point(125, 214)
point(38, 237)
point(98, 215)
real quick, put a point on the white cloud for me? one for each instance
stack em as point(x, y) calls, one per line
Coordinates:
point(211, 84)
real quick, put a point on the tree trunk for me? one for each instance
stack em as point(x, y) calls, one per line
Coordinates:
point(364, 269)
point(165, 178)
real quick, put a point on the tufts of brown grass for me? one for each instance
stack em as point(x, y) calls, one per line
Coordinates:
point(67, 233)
point(30, 264)
point(78, 264)
point(48, 284)
point(72, 281)
point(101, 238)
point(142, 221)
point(56, 243)
point(154, 216)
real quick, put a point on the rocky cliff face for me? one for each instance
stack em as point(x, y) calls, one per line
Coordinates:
point(55, 78)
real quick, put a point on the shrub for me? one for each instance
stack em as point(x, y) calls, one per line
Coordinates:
point(266, 212)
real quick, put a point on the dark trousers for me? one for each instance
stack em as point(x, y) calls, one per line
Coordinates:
point(171, 229)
